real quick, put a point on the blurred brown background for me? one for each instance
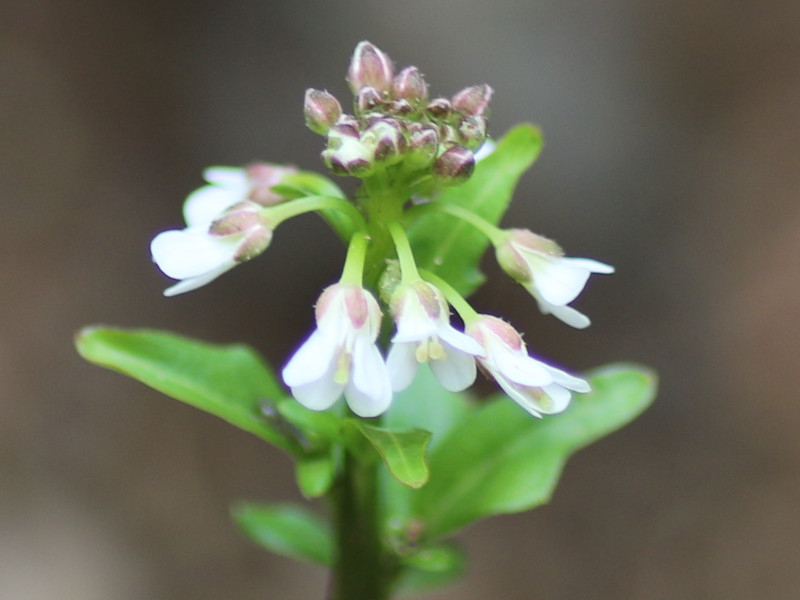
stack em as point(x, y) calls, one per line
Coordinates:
point(673, 153)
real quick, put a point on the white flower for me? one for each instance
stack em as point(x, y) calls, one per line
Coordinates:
point(537, 387)
point(224, 227)
point(552, 279)
point(341, 355)
point(424, 334)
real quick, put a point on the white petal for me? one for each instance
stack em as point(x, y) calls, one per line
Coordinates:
point(312, 361)
point(460, 341)
point(594, 266)
point(514, 392)
point(402, 364)
point(456, 372)
point(192, 283)
point(568, 381)
point(191, 252)
point(226, 176)
point(369, 392)
point(206, 204)
point(318, 395)
point(558, 282)
point(567, 314)
point(518, 367)
point(485, 150)
point(559, 399)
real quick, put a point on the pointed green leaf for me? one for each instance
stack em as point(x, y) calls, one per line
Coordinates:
point(402, 451)
point(231, 382)
point(451, 248)
point(315, 474)
point(286, 529)
point(431, 567)
point(502, 460)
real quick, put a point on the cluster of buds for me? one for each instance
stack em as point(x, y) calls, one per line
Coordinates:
point(395, 123)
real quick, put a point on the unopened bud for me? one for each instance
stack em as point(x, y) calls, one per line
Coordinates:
point(370, 67)
point(346, 154)
point(253, 244)
point(409, 85)
point(455, 165)
point(423, 145)
point(399, 107)
point(473, 100)
point(387, 138)
point(262, 177)
point(472, 131)
point(239, 218)
point(439, 108)
point(367, 99)
point(321, 111)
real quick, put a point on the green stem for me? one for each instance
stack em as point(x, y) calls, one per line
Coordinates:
point(360, 570)
point(491, 231)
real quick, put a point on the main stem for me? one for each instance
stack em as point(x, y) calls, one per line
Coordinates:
point(359, 571)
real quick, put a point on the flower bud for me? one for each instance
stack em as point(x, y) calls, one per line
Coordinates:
point(367, 99)
point(439, 109)
point(245, 219)
point(321, 111)
point(455, 165)
point(423, 145)
point(409, 85)
point(262, 177)
point(387, 138)
point(472, 131)
point(346, 154)
point(399, 107)
point(473, 100)
point(370, 67)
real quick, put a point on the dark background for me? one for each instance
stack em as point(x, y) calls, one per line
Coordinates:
point(673, 153)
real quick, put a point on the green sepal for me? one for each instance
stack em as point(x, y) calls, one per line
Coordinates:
point(286, 529)
point(403, 452)
point(231, 382)
point(501, 460)
point(451, 248)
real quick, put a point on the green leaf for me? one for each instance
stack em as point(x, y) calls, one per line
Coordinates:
point(502, 460)
point(431, 567)
point(320, 428)
point(315, 474)
point(308, 183)
point(231, 382)
point(402, 451)
point(286, 529)
point(451, 248)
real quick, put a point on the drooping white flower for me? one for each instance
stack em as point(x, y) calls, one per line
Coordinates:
point(223, 226)
point(537, 387)
point(551, 278)
point(341, 355)
point(424, 335)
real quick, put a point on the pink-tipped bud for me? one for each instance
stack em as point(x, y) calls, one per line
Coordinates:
point(473, 100)
point(370, 67)
point(409, 85)
point(472, 131)
point(456, 165)
point(387, 138)
point(321, 111)
point(423, 145)
point(262, 177)
point(367, 99)
point(399, 107)
point(439, 109)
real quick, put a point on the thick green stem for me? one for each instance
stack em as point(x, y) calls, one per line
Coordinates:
point(360, 570)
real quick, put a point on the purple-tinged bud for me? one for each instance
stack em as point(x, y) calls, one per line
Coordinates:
point(399, 107)
point(387, 138)
point(253, 244)
point(349, 121)
point(455, 165)
point(262, 177)
point(410, 85)
point(473, 100)
point(423, 145)
point(370, 67)
point(239, 218)
point(321, 111)
point(449, 135)
point(346, 154)
point(439, 109)
point(367, 99)
point(472, 131)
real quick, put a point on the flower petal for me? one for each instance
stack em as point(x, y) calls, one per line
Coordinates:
point(402, 364)
point(457, 371)
point(369, 392)
point(558, 282)
point(312, 361)
point(191, 252)
point(320, 394)
point(207, 203)
point(226, 176)
point(567, 314)
point(192, 283)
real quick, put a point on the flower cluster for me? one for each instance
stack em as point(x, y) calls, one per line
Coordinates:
point(400, 143)
point(395, 122)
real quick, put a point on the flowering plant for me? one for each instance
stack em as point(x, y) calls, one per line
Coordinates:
point(409, 457)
